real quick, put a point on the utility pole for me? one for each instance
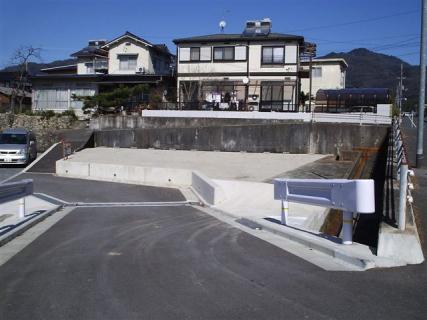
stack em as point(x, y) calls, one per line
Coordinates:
point(421, 101)
point(400, 90)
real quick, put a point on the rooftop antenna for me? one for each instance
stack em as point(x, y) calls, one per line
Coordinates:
point(222, 25)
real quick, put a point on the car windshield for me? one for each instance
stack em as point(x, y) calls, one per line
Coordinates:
point(10, 138)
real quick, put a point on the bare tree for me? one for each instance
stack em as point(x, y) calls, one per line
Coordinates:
point(21, 57)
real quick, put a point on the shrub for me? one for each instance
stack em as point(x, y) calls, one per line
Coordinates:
point(70, 113)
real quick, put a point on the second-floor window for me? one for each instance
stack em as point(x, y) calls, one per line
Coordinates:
point(194, 54)
point(224, 53)
point(127, 62)
point(273, 55)
point(89, 68)
point(316, 72)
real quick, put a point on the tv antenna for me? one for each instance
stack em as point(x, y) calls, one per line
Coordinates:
point(222, 25)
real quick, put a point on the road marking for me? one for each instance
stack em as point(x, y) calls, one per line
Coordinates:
point(55, 200)
point(130, 204)
point(50, 198)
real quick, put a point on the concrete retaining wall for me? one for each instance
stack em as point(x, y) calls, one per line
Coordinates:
point(205, 188)
point(124, 173)
point(320, 138)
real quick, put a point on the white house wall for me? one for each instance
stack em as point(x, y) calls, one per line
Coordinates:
point(333, 77)
point(142, 52)
point(255, 52)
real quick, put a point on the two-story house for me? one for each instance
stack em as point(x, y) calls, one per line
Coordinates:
point(254, 70)
point(101, 66)
point(326, 73)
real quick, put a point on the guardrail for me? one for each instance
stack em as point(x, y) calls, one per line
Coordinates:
point(350, 196)
point(354, 118)
point(16, 190)
point(403, 173)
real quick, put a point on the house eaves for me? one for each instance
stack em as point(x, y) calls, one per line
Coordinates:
point(127, 35)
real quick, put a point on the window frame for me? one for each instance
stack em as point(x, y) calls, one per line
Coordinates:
point(223, 50)
point(120, 55)
point(191, 51)
point(316, 75)
point(272, 55)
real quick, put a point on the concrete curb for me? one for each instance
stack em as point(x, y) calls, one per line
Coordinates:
point(9, 236)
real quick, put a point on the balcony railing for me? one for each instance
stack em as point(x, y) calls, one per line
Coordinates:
point(100, 65)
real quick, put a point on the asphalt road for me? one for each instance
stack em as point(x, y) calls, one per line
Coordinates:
point(8, 171)
point(180, 263)
point(80, 190)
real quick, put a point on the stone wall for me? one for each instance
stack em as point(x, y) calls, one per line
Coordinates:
point(45, 129)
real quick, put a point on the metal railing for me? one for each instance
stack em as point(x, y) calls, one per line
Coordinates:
point(403, 173)
point(350, 196)
point(11, 191)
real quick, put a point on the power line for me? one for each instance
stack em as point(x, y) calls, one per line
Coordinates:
point(357, 21)
point(361, 40)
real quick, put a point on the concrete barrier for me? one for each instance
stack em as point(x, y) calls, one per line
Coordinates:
point(124, 173)
point(72, 168)
point(206, 189)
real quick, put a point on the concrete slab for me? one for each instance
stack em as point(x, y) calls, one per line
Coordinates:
point(254, 200)
point(241, 166)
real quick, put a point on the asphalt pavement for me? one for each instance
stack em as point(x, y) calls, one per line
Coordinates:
point(180, 263)
point(8, 171)
point(81, 190)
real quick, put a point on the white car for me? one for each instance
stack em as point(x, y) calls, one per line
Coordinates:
point(18, 146)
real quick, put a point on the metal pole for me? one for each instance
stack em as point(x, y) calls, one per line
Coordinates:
point(285, 206)
point(347, 227)
point(421, 101)
point(403, 190)
point(21, 208)
point(284, 213)
point(311, 82)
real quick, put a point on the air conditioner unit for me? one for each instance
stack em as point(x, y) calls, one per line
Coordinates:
point(140, 70)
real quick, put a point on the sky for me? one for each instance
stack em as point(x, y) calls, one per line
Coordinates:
point(61, 27)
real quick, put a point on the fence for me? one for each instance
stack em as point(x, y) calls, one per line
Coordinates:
point(403, 173)
point(350, 196)
point(16, 190)
point(356, 118)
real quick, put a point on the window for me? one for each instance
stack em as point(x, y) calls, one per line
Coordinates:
point(316, 72)
point(271, 96)
point(89, 68)
point(224, 53)
point(127, 62)
point(194, 54)
point(273, 55)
